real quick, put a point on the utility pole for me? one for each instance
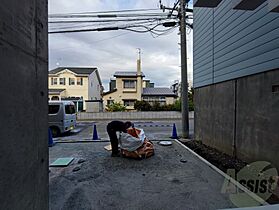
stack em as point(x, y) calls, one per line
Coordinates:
point(184, 76)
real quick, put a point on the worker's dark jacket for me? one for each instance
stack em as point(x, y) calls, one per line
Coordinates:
point(112, 128)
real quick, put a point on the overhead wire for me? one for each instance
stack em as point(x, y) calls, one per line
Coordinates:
point(145, 21)
point(115, 11)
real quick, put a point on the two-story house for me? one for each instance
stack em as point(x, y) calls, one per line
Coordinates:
point(129, 86)
point(83, 86)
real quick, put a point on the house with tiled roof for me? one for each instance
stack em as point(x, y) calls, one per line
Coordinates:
point(162, 95)
point(81, 85)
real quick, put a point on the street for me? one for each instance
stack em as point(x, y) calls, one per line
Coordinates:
point(154, 130)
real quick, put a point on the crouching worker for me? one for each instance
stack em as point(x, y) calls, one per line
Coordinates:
point(112, 128)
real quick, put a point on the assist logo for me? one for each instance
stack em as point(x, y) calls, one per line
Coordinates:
point(258, 177)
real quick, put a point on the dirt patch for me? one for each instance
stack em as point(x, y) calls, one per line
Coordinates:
point(215, 157)
point(223, 162)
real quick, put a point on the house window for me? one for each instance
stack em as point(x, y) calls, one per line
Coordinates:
point(62, 81)
point(155, 99)
point(129, 102)
point(80, 81)
point(53, 81)
point(129, 83)
point(55, 98)
point(71, 81)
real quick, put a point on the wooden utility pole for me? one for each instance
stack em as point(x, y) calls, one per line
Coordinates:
point(184, 73)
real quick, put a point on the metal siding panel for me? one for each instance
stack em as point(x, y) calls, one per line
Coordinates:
point(202, 83)
point(252, 49)
point(222, 11)
point(201, 51)
point(255, 30)
point(247, 36)
point(268, 65)
point(204, 25)
point(204, 62)
point(226, 23)
point(253, 63)
point(206, 71)
point(245, 42)
point(239, 21)
point(203, 37)
point(199, 13)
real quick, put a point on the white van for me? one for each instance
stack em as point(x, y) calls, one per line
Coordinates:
point(61, 117)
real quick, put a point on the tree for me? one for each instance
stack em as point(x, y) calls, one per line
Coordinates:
point(177, 105)
point(191, 99)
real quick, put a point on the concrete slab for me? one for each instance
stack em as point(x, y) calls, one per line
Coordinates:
point(271, 207)
point(160, 182)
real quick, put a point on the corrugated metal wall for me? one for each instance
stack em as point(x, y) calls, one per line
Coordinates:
point(231, 43)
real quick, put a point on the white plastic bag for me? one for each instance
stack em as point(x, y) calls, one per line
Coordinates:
point(129, 142)
point(141, 135)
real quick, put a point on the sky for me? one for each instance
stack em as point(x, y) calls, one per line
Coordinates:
point(112, 51)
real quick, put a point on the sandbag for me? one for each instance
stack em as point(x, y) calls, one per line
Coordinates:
point(145, 150)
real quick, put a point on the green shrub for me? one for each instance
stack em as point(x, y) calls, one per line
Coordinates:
point(142, 106)
point(156, 107)
point(145, 106)
point(177, 105)
point(116, 107)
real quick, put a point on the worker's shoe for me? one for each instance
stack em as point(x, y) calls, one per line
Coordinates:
point(116, 154)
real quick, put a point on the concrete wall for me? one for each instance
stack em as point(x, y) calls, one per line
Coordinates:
point(131, 115)
point(24, 92)
point(214, 115)
point(241, 113)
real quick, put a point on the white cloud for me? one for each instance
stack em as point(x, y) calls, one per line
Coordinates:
point(117, 50)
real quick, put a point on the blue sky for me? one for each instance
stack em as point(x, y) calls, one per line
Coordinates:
point(117, 50)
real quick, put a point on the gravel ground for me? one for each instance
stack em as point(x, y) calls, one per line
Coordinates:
point(223, 162)
point(172, 179)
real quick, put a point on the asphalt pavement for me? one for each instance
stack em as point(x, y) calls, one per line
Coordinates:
point(154, 130)
point(172, 179)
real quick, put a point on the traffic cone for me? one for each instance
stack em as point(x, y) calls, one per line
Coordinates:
point(95, 134)
point(50, 140)
point(174, 132)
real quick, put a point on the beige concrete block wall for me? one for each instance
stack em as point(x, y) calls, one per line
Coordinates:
point(132, 115)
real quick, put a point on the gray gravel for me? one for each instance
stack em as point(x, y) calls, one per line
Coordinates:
point(160, 182)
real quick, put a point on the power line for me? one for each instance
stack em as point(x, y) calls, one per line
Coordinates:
point(111, 11)
point(147, 28)
point(140, 22)
point(105, 20)
point(109, 15)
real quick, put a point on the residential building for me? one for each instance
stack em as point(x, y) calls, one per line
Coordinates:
point(83, 86)
point(129, 86)
point(236, 77)
point(163, 96)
